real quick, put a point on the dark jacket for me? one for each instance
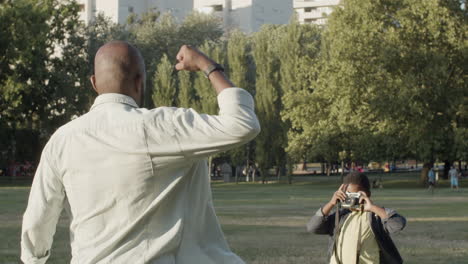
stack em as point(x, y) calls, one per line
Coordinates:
point(382, 228)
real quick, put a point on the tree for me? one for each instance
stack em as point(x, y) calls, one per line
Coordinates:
point(270, 141)
point(238, 48)
point(431, 41)
point(298, 54)
point(461, 132)
point(42, 68)
point(47, 55)
point(312, 134)
point(198, 28)
point(164, 84)
point(390, 80)
point(207, 96)
point(239, 69)
point(155, 35)
point(186, 95)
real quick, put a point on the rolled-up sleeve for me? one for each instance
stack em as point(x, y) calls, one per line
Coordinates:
point(394, 222)
point(320, 224)
point(203, 135)
point(44, 207)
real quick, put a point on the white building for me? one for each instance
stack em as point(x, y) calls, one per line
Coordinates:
point(248, 15)
point(119, 10)
point(314, 11)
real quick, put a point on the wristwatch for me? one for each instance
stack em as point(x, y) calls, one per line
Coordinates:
point(213, 67)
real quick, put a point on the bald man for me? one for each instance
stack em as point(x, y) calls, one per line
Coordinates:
point(134, 181)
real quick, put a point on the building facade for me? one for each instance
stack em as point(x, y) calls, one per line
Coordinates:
point(247, 15)
point(314, 11)
point(119, 10)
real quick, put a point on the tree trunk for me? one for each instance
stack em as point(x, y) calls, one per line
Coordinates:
point(289, 172)
point(342, 170)
point(424, 172)
point(264, 175)
point(209, 167)
point(254, 173)
point(447, 165)
point(304, 165)
point(328, 168)
point(278, 173)
point(236, 172)
point(248, 162)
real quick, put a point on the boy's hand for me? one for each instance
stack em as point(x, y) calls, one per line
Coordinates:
point(339, 195)
point(369, 206)
point(366, 202)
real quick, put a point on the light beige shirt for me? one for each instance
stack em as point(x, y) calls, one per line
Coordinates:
point(347, 243)
point(135, 182)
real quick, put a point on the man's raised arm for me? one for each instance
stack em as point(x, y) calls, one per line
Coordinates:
point(236, 123)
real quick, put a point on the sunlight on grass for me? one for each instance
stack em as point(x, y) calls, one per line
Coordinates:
point(265, 224)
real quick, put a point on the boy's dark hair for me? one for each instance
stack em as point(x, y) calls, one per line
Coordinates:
point(359, 179)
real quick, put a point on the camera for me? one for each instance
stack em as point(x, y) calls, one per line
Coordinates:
point(351, 201)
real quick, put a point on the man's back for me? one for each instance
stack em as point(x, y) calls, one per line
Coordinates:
point(137, 182)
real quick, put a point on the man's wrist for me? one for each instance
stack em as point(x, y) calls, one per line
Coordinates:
point(205, 63)
point(212, 69)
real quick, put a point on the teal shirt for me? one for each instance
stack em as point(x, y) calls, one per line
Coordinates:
point(431, 176)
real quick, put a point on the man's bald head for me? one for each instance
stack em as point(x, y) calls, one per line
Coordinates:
point(119, 68)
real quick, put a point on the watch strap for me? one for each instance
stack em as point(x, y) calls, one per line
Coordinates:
point(213, 67)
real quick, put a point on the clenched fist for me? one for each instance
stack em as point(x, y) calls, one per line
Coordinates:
point(191, 59)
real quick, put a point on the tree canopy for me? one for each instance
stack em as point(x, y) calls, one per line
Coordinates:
point(390, 82)
point(382, 80)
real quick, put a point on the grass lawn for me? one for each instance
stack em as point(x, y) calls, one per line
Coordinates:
point(266, 223)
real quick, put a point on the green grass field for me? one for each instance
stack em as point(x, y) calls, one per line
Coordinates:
point(266, 223)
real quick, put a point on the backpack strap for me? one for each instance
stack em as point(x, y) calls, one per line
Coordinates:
point(337, 233)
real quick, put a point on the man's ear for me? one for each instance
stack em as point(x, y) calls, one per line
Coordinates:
point(93, 82)
point(138, 84)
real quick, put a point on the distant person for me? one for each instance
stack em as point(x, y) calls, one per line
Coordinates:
point(358, 235)
point(431, 179)
point(377, 183)
point(226, 171)
point(245, 172)
point(136, 180)
point(387, 168)
point(453, 174)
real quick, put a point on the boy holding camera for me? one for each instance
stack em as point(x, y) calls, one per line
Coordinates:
point(359, 229)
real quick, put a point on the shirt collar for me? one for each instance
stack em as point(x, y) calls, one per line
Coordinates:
point(114, 98)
